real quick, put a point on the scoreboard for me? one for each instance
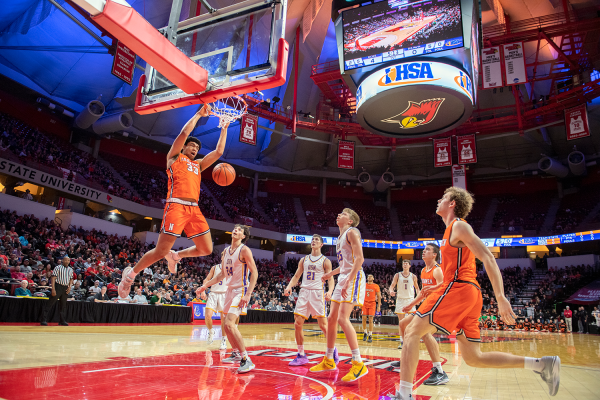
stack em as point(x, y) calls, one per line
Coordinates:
point(502, 242)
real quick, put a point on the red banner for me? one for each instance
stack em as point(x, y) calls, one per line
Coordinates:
point(123, 63)
point(442, 152)
point(467, 149)
point(61, 203)
point(576, 122)
point(589, 294)
point(345, 154)
point(249, 129)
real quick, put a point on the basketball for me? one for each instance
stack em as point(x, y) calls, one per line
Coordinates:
point(223, 174)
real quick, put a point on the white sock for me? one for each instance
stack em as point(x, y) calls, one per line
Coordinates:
point(329, 353)
point(534, 364)
point(405, 389)
point(438, 366)
point(244, 355)
point(132, 274)
point(176, 256)
point(301, 349)
point(356, 355)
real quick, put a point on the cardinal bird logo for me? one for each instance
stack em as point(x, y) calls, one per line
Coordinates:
point(417, 114)
point(108, 198)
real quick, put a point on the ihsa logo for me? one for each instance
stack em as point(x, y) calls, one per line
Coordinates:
point(409, 73)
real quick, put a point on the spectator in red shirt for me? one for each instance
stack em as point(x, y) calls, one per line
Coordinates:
point(17, 274)
point(568, 319)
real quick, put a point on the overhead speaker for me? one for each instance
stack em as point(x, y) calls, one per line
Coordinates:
point(385, 181)
point(553, 167)
point(364, 178)
point(92, 112)
point(114, 123)
point(577, 163)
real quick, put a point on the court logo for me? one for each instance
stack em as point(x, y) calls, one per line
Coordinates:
point(417, 114)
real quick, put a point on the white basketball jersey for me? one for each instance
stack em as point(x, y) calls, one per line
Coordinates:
point(345, 255)
point(220, 287)
point(406, 286)
point(236, 271)
point(577, 125)
point(313, 271)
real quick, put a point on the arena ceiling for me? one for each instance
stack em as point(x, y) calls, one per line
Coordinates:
point(42, 49)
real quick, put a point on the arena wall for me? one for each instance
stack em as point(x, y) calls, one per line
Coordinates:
point(22, 206)
point(68, 218)
point(562, 262)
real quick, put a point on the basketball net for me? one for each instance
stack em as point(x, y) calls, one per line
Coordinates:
point(228, 109)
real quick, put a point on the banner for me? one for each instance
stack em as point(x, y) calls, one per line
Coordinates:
point(459, 177)
point(491, 63)
point(249, 129)
point(68, 174)
point(442, 152)
point(589, 294)
point(345, 154)
point(61, 203)
point(123, 63)
point(576, 122)
point(514, 63)
point(467, 149)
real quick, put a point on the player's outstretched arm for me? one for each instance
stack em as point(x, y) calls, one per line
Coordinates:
point(179, 142)
point(249, 260)
point(214, 280)
point(330, 282)
point(214, 155)
point(464, 233)
point(393, 285)
point(210, 275)
point(295, 278)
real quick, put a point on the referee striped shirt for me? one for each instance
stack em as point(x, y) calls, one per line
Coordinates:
point(63, 274)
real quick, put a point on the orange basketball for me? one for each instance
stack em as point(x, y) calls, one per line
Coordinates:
point(223, 174)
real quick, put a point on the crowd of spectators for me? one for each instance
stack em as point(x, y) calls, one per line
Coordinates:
point(32, 146)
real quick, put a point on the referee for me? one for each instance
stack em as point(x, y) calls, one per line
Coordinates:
point(61, 281)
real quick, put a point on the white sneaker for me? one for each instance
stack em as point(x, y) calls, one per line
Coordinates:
point(172, 261)
point(223, 344)
point(211, 335)
point(551, 373)
point(126, 282)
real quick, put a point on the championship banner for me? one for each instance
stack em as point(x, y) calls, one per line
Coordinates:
point(345, 154)
point(442, 152)
point(123, 63)
point(514, 63)
point(61, 203)
point(576, 122)
point(491, 63)
point(589, 294)
point(459, 177)
point(249, 129)
point(467, 149)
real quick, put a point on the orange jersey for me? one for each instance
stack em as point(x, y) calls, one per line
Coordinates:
point(458, 262)
point(371, 292)
point(427, 278)
point(184, 179)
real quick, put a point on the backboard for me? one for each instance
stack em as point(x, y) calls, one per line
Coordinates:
point(242, 47)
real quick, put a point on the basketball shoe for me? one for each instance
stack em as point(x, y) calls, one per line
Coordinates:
point(299, 360)
point(223, 343)
point(551, 373)
point(326, 365)
point(172, 259)
point(235, 357)
point(126, 282)
point(357, 371)
point(436, 378)
point(211, 335)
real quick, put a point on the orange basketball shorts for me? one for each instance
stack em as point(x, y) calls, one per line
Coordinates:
point(454, 306)
point(369, 308)
point(178, 218)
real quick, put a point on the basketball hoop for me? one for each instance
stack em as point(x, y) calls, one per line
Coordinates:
point(228, 109)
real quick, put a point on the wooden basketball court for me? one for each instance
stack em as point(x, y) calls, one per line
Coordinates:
point(174, 362)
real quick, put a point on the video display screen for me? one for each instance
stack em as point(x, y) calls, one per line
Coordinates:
point(396, 29)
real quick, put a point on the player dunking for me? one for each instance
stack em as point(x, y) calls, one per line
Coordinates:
point(312, 299)
point(372, 296)
point(432, 278)
point(456, 305)
point(238, 263)
point(181, 212)
point(404, 285)
point(349, 292)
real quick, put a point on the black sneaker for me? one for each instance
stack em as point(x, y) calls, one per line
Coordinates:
point(370, 339)
point(436, 378)
point(63, 324)
point(364, 336)
point(44, 323)
point(395, 364)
